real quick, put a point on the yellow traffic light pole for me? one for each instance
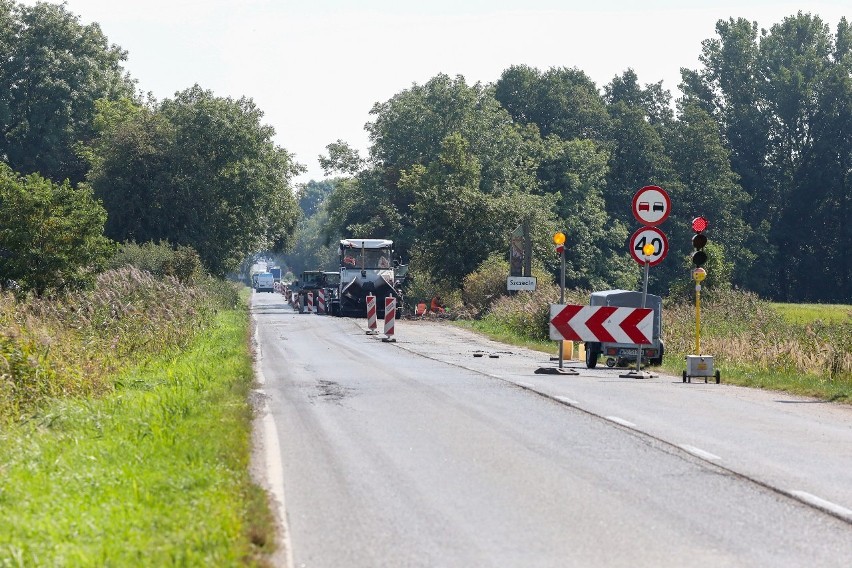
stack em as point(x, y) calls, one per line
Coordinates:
point(699, 274)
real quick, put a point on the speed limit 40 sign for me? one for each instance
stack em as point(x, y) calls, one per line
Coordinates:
point(649, 236)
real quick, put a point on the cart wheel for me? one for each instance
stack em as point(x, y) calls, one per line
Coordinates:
point(610, 362)
point(718, 377)
point(684, 376)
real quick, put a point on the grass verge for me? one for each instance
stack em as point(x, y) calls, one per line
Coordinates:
point(800, 349)
point(155, 473)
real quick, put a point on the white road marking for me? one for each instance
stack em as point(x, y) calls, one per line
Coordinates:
point(820, 503)
point(525, 385)
point(621, 421)
point(699, 452)
point(272, 455)
point(567, 400)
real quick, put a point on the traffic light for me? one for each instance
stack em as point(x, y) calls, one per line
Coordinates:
point(699, 241)
point(559, 241)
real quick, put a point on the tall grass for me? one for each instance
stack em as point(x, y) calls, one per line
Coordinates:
point(154, 474)
point(71, 346)
point(753, 342)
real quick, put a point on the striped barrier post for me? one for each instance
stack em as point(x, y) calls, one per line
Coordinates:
point(390, 317)
point(371, 315)
point(310, 307)
point(321, 301)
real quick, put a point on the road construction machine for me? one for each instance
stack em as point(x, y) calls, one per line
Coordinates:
point(367, 267)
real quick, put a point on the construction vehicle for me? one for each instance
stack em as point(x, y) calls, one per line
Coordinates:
point(310, 281)
point(624, 354)
point(367, 268)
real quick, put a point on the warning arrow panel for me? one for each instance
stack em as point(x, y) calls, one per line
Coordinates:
point(606, 324)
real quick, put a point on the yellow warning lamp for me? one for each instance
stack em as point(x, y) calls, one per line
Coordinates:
point(648, 249)
point(699, 274)
point(559, 238)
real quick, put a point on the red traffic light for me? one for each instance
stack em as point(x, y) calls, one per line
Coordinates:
point(699, 224)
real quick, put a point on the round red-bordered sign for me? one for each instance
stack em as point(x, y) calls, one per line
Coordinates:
point(651, 205)
point(653, 236)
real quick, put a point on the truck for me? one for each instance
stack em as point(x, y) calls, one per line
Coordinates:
point(367, 267)
point(309, 281)
point(264, 282)
point(624, 354)
point(276, 273)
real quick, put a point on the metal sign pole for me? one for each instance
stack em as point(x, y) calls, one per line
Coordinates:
point(644, 300)
point(562, 300)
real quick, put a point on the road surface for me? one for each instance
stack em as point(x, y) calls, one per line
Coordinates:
point(422, 453)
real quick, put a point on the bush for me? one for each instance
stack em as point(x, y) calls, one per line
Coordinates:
point(528, 313)
point(161, 259)
point(487, 284)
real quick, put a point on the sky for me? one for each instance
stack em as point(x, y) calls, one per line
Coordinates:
point(317, 67)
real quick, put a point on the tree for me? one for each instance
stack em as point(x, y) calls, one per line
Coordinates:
point(780, 99)
point(51, 235)
point(596, 252)
point(196, 170)
point(559, 101)
point(341, 158)
point(313, 194)
point(708, 188)
point(53, 70)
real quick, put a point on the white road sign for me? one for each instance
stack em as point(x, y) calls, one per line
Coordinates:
point(651, 205)
point(652, 236)
point(520, 283)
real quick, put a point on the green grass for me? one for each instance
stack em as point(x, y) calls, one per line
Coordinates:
point(493, 329)
point(154, 474)
point(799, 349)
point(805, 314)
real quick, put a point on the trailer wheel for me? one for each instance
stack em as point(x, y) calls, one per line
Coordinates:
point(684, 376)
point(718, 376)
point(591, 358)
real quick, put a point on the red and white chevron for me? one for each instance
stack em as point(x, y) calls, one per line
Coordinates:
point(606, 324)
point(371, 313)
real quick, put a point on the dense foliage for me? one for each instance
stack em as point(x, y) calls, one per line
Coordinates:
point(51, 235)
point(760, 144)
point(52, 71)
point(197, 170)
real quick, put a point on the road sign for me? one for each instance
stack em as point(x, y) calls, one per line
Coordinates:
point(520, 283)
point(649, 235)
point(606, 324)
point(651, 205)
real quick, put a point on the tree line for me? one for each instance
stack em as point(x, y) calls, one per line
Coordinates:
point(89, 162)
point(760, 144)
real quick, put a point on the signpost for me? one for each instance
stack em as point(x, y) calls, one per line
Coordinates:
point(651, 206)
point(606, 324)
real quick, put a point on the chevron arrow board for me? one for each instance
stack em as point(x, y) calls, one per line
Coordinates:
point(606, 324)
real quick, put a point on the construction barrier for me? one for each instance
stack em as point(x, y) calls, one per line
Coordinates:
point(320, 301)
point(371, 315)
point(390, 317)
point(310, 306)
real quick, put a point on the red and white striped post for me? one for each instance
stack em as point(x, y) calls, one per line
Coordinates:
point(321, 301)
point(310, 306)
point(390, 317)
point(371, 315)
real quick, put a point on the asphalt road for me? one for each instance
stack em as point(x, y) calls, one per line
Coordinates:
point(419, 453)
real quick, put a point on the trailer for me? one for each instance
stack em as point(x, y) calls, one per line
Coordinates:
point(623, 354)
